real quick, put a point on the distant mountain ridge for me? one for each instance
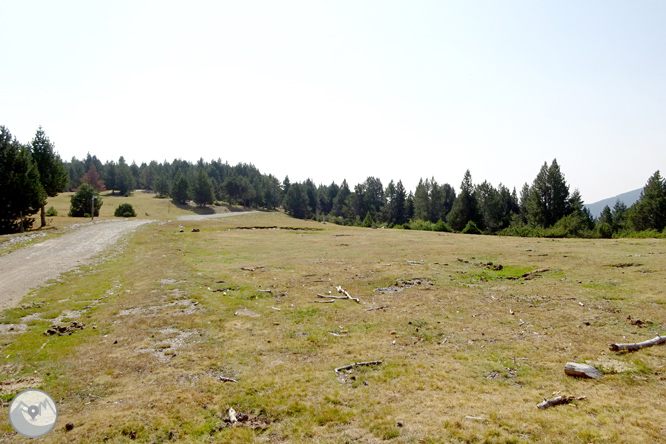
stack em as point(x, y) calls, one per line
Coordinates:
point(628, 198)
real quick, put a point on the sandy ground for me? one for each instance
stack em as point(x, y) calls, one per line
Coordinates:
point(27, 268)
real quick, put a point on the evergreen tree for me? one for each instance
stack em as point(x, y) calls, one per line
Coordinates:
point(449, 198)
point(340, 199)
point(180, 190)
point(437, 201)
point(296, 201)
point(124, 178)
point(161, 185)
point(465, 207)
point(399, 214)
point(52, 173)
point(606, 216)
point(649, 212)
point(548, 197)
point(409, 206)
point(110, 175)
point(22, 192)
point(311, 191)
point(422, 200)
point(202, 189)
point(81, 203)
point(619, 216)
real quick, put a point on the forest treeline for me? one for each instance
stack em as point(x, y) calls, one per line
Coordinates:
point(546, 208)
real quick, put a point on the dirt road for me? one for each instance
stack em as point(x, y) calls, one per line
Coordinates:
point(214, 216)
point(30, 267)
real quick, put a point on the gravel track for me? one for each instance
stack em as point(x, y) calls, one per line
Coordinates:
point(27, 268)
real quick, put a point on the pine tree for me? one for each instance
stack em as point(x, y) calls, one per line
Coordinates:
point(124, 179)
point(22, 192)
point(340, 199)
point(180, 190)
point(400, 211)
point(548, 197)
point(202, 189)
point(465, 207)
point(110, 175)
point(649, 212)
point(422, 200)
point(52, 172)
point(296, 201)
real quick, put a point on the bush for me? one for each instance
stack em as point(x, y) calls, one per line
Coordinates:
point(124, 210)
point(81, 202)
point(605, 230)
point(442, 226)
point(51, 212)
point(471, 228)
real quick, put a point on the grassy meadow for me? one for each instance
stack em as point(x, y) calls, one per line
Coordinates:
point(468, 349)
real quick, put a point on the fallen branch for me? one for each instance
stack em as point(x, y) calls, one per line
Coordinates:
point(328, 296)
point(341, 290)
point(265, 291)
point(557, 401)
point(251, 269)
point(336, 334)
point(377, 308)
point(223, 379)
point(323, 302)
point(638, 345)
point(357, 364)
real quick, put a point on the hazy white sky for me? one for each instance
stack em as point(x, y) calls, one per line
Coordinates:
point(348, 89)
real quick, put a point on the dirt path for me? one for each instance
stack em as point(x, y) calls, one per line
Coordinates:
point(30, 267)
point(214, 216)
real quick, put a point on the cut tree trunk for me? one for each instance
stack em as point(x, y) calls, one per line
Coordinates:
point(582, 370)
point(638, 345)
point(357, 364)
point(43, 215)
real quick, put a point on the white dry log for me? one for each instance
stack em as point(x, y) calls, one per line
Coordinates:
point(582, 370)
point(638, 345)
point(341, 290)
point(323, 302)
point(555, 401)
point(357, 364)
point(331, 297)
point(223, 379)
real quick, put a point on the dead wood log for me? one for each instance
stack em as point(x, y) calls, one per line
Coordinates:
point(555, 401)
point(251, 269)
point(341, 290)
point(638, 345)
point(377, 308)
point(325, 296)
point(323, 302)
point(357, 364)
point(582, 370)
point(265, 291)
point(223, 379)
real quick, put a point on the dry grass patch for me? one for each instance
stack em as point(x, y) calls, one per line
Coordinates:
point(467, 351)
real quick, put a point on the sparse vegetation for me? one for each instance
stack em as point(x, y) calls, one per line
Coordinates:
point(482, 341)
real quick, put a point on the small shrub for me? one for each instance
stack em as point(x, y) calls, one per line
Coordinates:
point(86, 215)
point(51, 212)
point(442, 226)
point(124, 210)
point(471, 228)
